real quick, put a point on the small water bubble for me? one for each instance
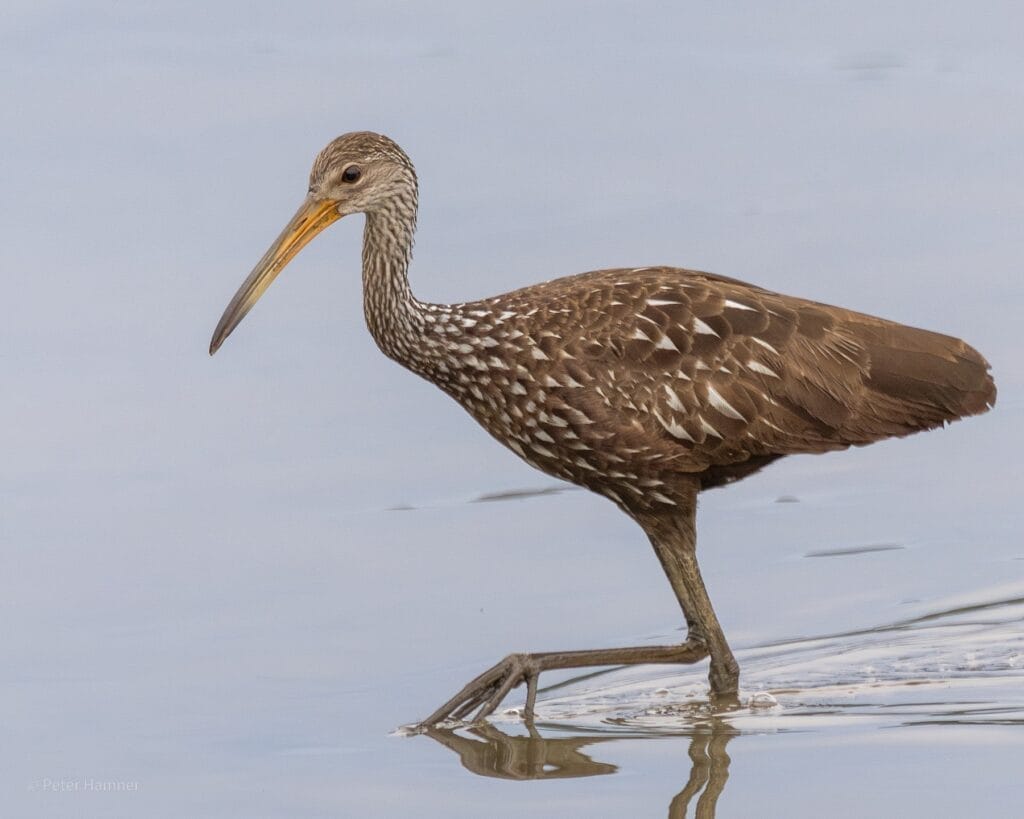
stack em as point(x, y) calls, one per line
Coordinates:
point(762, 699)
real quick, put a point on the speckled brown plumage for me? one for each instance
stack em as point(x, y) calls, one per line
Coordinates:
point(623, 380)
point(645, 385)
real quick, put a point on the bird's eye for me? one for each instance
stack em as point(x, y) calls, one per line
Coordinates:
point(351, 174)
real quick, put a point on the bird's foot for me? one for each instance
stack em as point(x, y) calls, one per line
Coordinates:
point(484, 693)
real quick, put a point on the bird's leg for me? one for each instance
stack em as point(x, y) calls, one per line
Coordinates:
point(724, 674)
point(484, 694)
point(674, 538)
point(675, 542)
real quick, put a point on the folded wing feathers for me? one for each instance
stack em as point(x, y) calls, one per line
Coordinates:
point(774, 375)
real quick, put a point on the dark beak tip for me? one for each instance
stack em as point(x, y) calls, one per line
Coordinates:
point(311, 218)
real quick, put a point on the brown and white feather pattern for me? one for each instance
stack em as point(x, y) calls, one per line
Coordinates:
point(626, 381)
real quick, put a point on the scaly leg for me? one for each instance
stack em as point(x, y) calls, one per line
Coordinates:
point(674, 537)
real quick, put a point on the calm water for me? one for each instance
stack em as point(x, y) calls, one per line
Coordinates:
point(227, 582)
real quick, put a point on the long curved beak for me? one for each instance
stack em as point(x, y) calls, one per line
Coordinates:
point(311, 218)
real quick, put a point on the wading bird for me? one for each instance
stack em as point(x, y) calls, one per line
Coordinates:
point(644, 385)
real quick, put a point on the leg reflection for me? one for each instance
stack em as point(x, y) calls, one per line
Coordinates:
point(487, 751)
point(709, 770)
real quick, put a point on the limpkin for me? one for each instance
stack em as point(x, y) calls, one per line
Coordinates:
point(644, 385)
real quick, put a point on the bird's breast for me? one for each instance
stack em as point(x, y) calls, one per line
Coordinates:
point(533, 392)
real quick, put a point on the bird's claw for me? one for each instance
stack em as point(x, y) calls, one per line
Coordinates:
point(482, 695)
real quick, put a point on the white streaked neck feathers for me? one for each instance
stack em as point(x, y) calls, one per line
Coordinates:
point(393, 315)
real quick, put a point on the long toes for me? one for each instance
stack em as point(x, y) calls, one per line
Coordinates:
point(511, 681)
point(485, 693)
point(465, 708)
point(474, 700)
point(472, 693)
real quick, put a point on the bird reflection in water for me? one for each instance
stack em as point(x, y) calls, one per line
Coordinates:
point(486, 750)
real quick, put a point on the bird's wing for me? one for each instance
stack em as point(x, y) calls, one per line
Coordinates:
point(723, 371)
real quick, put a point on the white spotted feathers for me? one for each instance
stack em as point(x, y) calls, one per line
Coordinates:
point(620, 380)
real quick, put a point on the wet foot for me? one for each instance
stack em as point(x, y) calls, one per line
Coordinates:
point(479, 698)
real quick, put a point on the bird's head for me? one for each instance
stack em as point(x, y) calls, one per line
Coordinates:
point(360, 172)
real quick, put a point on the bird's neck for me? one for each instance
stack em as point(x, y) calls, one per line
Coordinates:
point(393, 315)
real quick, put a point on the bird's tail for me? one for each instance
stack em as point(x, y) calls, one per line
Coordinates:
point(920, 379)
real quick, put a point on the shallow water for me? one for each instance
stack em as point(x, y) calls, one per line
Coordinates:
point(229, 582)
